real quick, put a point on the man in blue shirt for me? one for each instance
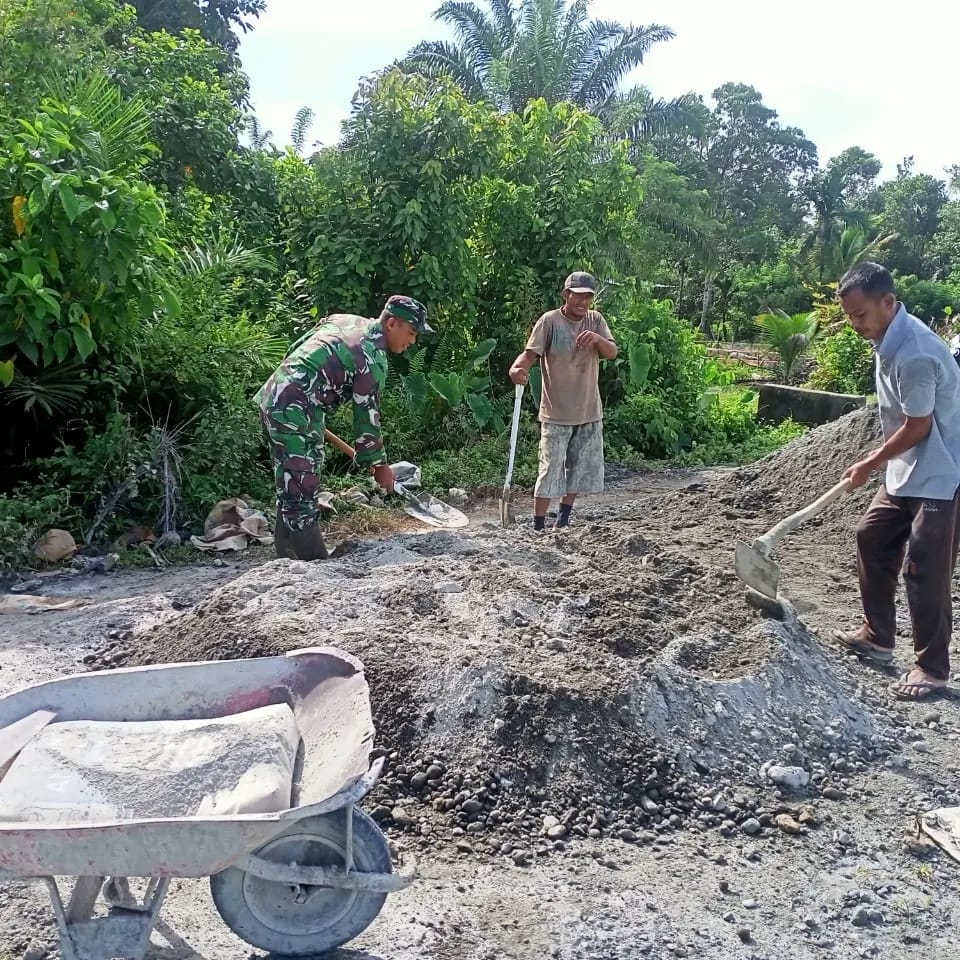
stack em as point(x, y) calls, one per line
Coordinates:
point(914, 516)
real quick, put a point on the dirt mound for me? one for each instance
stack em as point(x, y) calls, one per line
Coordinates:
point(529, 688)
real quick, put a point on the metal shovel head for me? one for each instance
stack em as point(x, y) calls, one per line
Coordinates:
point(756, 570)
point(428, 509)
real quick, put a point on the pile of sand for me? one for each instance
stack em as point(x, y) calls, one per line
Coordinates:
point(511, 673)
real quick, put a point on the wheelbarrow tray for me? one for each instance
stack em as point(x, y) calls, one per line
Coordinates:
point(327, 693)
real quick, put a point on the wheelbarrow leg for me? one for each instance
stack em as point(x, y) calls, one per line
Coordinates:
point(123, 933)
point(83, 899)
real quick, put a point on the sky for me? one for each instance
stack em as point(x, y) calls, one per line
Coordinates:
point(844, 73)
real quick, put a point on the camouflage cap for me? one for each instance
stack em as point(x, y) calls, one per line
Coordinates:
point(413, 311)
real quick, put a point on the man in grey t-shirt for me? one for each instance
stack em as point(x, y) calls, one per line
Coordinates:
point(915, 515)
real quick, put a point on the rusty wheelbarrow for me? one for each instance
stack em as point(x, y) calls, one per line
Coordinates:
point(246, 771)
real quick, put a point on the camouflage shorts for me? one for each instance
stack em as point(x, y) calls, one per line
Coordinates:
point(571, 459)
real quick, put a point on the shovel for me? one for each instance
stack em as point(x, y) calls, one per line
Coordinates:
point(506, 498)
point(753, 564)
point(425, 508)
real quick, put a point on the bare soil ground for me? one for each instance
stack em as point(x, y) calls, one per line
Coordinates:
point(580, 726)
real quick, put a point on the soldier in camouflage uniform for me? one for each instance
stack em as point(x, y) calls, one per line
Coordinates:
point(343, 359)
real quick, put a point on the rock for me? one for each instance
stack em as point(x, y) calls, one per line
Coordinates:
point(787, 824)
point(464, 847)
point(434, 771)
point(833, 793)
point(745, 934)
point(861, 917)
point(730, 917)
point(418, 780)
point(381, 813)
point(449, 586)
point(627, 835)
point(556, 643)
point(790, 778)
point(932, 716)
point(751, 827)
point(457, 496)
point(471, 807)
point(557, 832)
point(34, 952)
point(27, 586)
point(750, 904)
point(520, 858)
point(54, 546)
point(549, 823)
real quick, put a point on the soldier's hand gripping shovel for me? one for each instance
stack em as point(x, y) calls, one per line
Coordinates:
point(753, 564)
point(506, 498)
point(425, 507)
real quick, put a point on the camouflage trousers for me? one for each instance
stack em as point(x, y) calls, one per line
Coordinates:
point(295, 437)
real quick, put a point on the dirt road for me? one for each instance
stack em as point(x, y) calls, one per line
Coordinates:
point(605, 709)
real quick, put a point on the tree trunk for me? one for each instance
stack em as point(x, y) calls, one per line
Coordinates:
point(705, 327)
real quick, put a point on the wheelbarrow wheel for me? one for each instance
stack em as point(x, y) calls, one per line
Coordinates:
point(267, 914)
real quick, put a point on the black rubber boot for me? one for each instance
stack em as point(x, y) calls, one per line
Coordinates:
point(281, 539)
point(308, 544)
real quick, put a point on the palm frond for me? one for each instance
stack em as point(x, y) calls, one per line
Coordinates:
point(434, 59)
point(478, 35)
point(223, 256)
point(123, 126)
point(301, 127)
point(619, 49)
point(54, 391)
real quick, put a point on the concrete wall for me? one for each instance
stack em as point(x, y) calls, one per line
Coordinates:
point(778, 403)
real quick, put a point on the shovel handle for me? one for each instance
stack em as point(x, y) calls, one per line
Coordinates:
point(341, 445)
point(514, 428)
point(769, 540)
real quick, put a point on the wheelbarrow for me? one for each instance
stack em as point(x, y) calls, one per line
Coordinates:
point(248, 772)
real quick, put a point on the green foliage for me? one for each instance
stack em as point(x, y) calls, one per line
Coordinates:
point(930, 300)
point(24, 515)
point(217, 20)
point(512, 54)
point(790, 336)
point(82, 249)
point(844, 363)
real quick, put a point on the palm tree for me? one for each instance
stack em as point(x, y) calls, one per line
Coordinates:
point(852, 247)
point(788, 336)
point(512, 53)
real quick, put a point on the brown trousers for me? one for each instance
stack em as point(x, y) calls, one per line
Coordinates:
point(925, 533)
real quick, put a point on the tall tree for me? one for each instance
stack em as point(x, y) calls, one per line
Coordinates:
point(911, 208)
point(947, 240)
point(754, 170)
point(839, 195)
point(215, 19)
point(511, 53)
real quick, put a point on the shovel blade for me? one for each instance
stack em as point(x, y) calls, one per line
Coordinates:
point(506, 508)
point(757, 570)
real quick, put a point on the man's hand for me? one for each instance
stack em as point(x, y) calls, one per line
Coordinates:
point(859, 473)
point(589, 338)
point(519, 375)
point(383, 474)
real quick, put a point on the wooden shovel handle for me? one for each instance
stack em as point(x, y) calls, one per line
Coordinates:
point(769, 540)
point(341, 445)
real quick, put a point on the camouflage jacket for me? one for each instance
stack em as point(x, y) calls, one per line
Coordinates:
point(343, 358)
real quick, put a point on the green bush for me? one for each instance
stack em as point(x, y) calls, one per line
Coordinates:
point(844, 363)
point(24, 515)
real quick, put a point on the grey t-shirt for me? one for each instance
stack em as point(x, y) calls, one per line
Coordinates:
point(916, 376)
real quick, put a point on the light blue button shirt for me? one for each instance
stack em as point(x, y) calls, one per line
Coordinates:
point(916, 376)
